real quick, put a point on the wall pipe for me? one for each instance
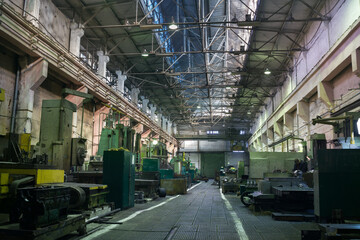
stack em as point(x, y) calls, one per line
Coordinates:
point(15, 99)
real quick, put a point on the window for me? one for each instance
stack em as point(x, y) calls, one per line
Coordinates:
point(212, 132)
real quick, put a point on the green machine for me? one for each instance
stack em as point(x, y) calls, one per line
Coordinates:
point(336, 184)
point(151, 165)
point(148, 181)
point(119, 176)
point(56, 145)
point(121, 136)
point(166, 173)
point(56, 140)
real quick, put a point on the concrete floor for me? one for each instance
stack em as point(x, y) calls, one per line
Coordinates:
point(203, 213)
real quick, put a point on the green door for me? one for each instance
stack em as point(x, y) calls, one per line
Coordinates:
point(211, 162)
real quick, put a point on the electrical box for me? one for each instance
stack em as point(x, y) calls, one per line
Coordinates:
point(151, 165)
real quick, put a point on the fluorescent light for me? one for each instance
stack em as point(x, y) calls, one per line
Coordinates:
point(238, 151)
point(151, 26)
point(169, 54)
point(228, 87)
point(267, 71)
point(198, 106)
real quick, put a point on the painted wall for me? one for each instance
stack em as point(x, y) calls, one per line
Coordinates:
point(54, 23)
point(326, 43)
point(204, 146)
point(7, 80)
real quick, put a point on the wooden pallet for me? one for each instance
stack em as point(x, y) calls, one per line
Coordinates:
point(55, 231)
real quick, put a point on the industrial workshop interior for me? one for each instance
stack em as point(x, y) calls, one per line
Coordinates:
point(179, 119)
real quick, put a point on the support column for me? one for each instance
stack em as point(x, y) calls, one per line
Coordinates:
point(270, 134)
point(259, 143)
point(302, 111)
point(125, 121)
point(33, 8)
point(174, 128)
point(31, 78)
point(145, 134)
point(144, 104)
point(264, 141)
point(163, 123)
point(355, 62)
point(76, 32)
point(152, 112)
point(139, 128)
point(278, 128)
point(325, 92)
point(134, 95)
point(159, 117)
point(103, 60)
point(289, 121)
point(121, 81)
point(166, 125)
point(169, 128)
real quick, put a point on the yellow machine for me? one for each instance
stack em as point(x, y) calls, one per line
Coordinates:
point(40, 176)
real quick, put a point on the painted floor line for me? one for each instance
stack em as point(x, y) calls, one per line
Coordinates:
point(194, 186)
point(109, 227)
point(239, 227)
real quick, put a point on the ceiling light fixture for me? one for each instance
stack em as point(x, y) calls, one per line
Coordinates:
point(151, 26)
point(165, 54)
point(155, 142)
point(267, 71)
point(173, 26)
point(198, 106)
point(145, 53)
point(228, 88)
